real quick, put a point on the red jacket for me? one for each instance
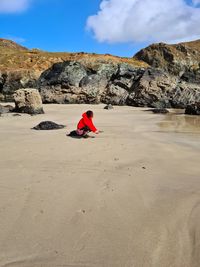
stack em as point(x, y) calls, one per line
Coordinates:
point(85, 121)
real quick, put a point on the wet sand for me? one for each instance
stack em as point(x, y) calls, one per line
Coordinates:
point(128, 198)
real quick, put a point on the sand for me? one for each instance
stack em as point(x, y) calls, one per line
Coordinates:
point(128, 198)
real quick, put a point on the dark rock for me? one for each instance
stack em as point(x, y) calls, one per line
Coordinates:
point(62, 75)
point(108, 107)
point(159, 110)
point(193, 109)
point(61, 84)
point(10, 81)
point(48, 125)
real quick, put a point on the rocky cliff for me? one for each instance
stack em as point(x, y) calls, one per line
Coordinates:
point(21, 67)
point(158, 76)
point(121, 84)
point(182, 59)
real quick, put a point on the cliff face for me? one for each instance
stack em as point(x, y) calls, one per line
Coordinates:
point(21, 67)
point(159, 76)
point(122, 84)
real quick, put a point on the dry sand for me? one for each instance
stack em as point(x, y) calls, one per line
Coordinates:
point(128, 198)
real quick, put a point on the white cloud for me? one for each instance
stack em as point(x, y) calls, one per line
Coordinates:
point(12, 6)
point(145, 21)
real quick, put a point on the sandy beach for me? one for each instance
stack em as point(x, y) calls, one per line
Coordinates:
point(130, 197)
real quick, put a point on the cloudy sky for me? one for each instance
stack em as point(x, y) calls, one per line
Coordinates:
point(118, 27)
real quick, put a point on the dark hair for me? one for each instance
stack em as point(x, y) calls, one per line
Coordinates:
point(89, 114)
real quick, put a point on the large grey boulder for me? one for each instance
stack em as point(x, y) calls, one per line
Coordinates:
point(28, 101)
point(92, 87)
point(107, 71)
point(10, 81)
point(63, 75)
point(115, 95)
point(153, 89)
point(61, 83)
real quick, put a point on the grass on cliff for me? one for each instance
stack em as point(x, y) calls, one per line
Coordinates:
point(40, 61)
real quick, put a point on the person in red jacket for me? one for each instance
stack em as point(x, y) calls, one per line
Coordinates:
point(85, 126)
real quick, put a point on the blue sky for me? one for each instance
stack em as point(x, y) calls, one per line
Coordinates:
point(60, 25)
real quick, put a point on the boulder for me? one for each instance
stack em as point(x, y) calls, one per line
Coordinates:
point(63, 75)
point(71, 82)
point(115, 95)
point(153, 90)
point(48, 125)
point(108, 107)
point(193, 109)
point(28, 101)
point(92, 87)
point(107, 71)
point(16, 79)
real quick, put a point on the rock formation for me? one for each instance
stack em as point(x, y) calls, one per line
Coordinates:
point(181, 59)
point(21, 67)
point(159, 76)
point(120, 84)
point(71, 82)
point(28, 101)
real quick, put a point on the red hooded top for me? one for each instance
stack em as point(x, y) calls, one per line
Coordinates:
point(85, 121)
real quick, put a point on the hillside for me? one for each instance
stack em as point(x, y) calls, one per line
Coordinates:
point(10, 46)
point(176, 59)
point(15, 57)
